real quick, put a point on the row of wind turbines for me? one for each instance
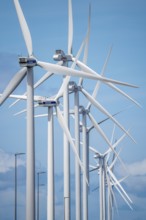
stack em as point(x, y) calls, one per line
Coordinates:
point(59, 107)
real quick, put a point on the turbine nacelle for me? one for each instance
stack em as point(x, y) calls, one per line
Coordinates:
point(60, 56)
point(27, 61)
point(82, 110)
point(47, 103)
point(73, 87)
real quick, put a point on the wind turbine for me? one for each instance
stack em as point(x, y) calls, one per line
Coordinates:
point(64, 126)
point(27, 64)
point(73, 87)
point(105, 176)
point(50, 104)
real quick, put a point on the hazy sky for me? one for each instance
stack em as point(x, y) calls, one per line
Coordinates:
point(120, 24)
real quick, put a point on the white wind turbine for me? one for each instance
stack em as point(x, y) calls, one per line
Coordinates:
point(50, 104)
point(50, 199)
point(106, 176)
point(85, 142)
point(64, 126)
point(45, 64)
point(28, 63)
point(85, 190)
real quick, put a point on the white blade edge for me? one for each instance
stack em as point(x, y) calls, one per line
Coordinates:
point(41, 115)
point(113, 115)
point(45, 76)
point(124, 94)
point(68, 135)
point(114, 161)
point(117, 142)
point(85, 68)
point(22, 97)
point(24, 27)
point(94, 150)
point(110, 191)
point(112, 196)
point(103, 110)
point(93, 167)
point(15, 81)
point(85, 56)
point(24, 110)
point(20, 112)
point(70, 27)
point(112, 136)
point(95, 124)
point(111, 141)
point(87, 37)
point(36, 98)
point(97, 87)
point(16, 101)
point(106, 62)
point(127, 202)
point(122, 179)
point(118, 184)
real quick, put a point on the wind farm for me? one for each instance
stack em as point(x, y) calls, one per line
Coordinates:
point(65, 110)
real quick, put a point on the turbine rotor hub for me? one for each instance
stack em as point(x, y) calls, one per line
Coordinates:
point(61, 56)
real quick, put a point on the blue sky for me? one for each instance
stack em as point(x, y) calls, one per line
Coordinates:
point(120, 24)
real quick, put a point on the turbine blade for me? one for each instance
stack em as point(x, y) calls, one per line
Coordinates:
point(94, 150)
point(38, 83)
point(22, 97)
point(104, 137)
point(16, 101)
point(62, 70)
point(114, 161)
point(116, 143)
point(118, 184)
point(112, 136)
point(123, 93)
point(24, 110)
point(87, 37)
point(103, 110)
point(71, 72)
point(24, 27)
point(68, 135)
point(95, 124)
point(45, 77)
point(15, 81)
point(122, 179)
point(20, 112)
point(85, 68)
point(87, 43)
point(70, 27)
point(41, 115)
point(112, 115)
point(106, 62)
point(127, 202)
point(97, 87)
point(111, 193)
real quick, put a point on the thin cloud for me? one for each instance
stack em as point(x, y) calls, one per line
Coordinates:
point(137, 168)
